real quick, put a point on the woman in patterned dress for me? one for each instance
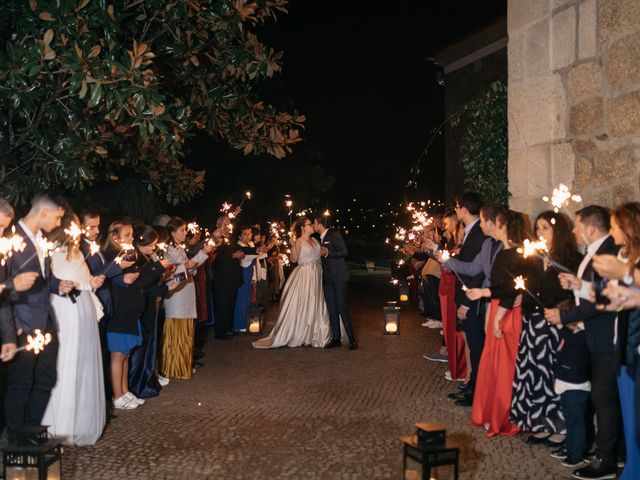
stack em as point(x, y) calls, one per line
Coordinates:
point(535, 407)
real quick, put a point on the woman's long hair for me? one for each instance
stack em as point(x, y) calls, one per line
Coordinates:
point(627, 216)
point(298, 226)
point(115, 229)
point(563, 246)
point(516, 226)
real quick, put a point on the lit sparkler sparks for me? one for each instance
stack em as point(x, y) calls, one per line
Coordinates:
point(533, 247)
point(560, 197)
point(445, 255)
point(74, 231)
point(519, 283)
point(8, 245)
point(36, 343)
point(193, 228)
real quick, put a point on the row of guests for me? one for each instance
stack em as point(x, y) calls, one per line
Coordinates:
point(125, 312)
point(539, 358)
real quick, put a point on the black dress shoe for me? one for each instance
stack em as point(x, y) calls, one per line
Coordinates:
point(466, 401)
point(456, 396)
point(532, 440)
point(596, 470)
point(197, 365)
point(353, 344)
point(333, 344)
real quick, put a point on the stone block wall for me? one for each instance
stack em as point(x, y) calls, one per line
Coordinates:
point(574, 100)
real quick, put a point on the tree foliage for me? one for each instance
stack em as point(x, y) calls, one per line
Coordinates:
point(96, 90)
point(485, 145)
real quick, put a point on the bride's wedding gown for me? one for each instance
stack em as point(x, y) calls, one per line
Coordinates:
point(303, 318)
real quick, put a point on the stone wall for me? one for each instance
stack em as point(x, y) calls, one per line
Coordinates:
point(574, 100)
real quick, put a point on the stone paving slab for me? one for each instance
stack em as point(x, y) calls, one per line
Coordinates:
point(304, 413)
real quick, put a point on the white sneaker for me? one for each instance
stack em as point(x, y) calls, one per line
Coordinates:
point(435, 324)
point(163, 381)
point(428, 322)
point(123, 403)
point(134, 399)
point(447, 375)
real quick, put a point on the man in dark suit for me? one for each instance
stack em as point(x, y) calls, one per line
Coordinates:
point(335, 280)
point(471, 313)
point(31, 377)
point(8, 287)
point(227, 277)
point(90, 224)
point(591, 230)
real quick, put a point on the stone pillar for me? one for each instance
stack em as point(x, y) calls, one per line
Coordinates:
point(574, 100)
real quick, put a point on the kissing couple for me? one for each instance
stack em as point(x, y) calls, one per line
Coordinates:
point(314, 298)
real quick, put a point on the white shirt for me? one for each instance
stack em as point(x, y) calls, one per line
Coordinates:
point(34, 239)
point(467, 229)
point(323, 234)
point(586, 286)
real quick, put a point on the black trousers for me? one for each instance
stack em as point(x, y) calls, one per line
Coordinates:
point(224, 299)
point(335, 294)
point(106, 358)
point(604, 395)
point(31, 378)
point(474, 328)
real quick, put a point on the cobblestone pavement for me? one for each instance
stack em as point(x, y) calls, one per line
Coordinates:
point(304, 413)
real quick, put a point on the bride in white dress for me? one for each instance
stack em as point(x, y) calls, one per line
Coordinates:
point(303, 318)
point(76, 411)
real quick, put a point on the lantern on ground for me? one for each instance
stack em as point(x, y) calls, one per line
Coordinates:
point(403, 291)
point(391, 319)
point(255, 320)
point(34, 457)
point(428, 455)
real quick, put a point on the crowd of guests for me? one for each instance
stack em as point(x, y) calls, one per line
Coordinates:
point(123, 314)
point(555, 358)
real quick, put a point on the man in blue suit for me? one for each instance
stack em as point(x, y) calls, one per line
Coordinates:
point(31, 377)
point(335, 279)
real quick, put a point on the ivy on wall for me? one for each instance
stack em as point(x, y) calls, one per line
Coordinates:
point(484, 147)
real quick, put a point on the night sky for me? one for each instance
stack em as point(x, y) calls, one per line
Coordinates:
point(360, 75)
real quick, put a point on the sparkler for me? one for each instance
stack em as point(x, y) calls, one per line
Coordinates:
point(445, 256)
point(539, 248)
point(560, 197)
point(247, 196)
point(36, 343)
point(124, 247)
point(519, 283)
point(74, 232)
point(193, 228)
point(8, 245)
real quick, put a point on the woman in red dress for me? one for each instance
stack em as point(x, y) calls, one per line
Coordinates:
point(492, 399)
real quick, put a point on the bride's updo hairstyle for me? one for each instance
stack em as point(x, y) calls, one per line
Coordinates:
point(298, 227)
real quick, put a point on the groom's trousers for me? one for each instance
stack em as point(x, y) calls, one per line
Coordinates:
point(335, 294)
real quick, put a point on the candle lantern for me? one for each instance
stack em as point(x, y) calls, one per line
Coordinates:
point(391, 319)
point(403, 291)
point(428, 455)
point(255, 320)
point(34, 457)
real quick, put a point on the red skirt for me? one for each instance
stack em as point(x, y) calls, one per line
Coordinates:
point(452, 338)
point(492, 398)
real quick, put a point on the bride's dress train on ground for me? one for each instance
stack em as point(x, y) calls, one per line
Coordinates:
point(303, 318)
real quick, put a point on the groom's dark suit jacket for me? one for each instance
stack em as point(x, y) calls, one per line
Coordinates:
point(31, 308)
point(334, 267)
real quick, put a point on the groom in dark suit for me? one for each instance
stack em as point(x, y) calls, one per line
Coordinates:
point(335, 279)
point(31, 377)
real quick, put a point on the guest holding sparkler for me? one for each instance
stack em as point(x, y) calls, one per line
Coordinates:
point(97, 263)
point(76, 411)
point(31, 377)
point(19, 283)
point(591, 230)
point(480, 265)
point(123, 329)
point(625, 230)
point(144, 294)
point(180, 307)
point(535, 407)
point(492, 399)
point(227, 277)
point(470, 312)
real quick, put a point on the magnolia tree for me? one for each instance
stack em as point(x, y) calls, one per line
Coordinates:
point(95, 90)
